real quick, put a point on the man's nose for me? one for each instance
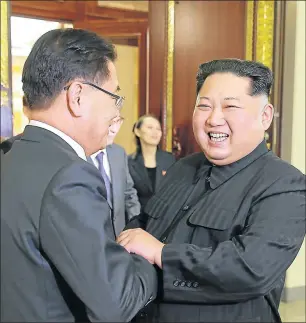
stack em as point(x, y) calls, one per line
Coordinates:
point(216, 117)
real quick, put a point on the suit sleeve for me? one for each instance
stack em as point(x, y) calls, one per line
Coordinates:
point(138, 221)
point(132, 205)
point(251, 263)
point(75, 233)
point(173, 159)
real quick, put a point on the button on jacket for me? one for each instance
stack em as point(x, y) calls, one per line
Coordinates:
point(225, 258)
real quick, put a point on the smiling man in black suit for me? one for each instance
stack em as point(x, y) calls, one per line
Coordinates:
point(228, 221)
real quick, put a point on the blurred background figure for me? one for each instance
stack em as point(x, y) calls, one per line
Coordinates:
point(112, 162)
point(148, 164)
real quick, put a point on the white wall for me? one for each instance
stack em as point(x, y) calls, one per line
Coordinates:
point(293, 123)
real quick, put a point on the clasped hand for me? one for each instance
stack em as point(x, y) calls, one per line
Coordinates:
point(142, 243)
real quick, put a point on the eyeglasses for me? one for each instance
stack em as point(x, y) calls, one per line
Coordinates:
point(117, 120)
point(118, 99)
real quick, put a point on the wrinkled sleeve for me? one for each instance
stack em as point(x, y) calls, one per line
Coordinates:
point(75, 234)
point(248, 265)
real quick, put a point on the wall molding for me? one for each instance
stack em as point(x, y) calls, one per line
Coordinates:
point(167, 114)
point(293, 294)
point(264, 42)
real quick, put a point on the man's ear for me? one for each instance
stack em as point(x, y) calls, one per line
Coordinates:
point(74, 98)
point(267, 116)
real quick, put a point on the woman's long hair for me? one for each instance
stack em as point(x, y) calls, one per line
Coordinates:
point(137, 125)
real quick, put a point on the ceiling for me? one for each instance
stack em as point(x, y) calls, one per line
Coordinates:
point(141, 5)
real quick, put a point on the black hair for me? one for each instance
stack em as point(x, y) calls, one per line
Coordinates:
point(260, 75)
point(137, 125)
point(24, 101)
point(60, 56)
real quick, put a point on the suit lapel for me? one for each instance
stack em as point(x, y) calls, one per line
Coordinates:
point(118, 221)
point(90, 161)
point(159, 169)
point(140, 170)
point(158, 177)
point(115, 176)
point(172, 196)
point(167, 202)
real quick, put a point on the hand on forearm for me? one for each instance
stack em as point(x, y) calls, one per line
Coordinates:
point(142, 243)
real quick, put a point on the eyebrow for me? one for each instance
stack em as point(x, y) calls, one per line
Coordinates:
point(228, 98)
point(231, 98)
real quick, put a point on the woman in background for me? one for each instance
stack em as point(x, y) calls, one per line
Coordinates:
point(149, 163)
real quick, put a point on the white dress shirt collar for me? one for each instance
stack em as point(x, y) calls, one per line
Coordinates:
point(76, 147)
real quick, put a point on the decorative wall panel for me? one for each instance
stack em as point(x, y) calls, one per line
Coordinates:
point(249, 41)
point(260, 43)
point(204, 30)
point(264, 32)
point(168, 86)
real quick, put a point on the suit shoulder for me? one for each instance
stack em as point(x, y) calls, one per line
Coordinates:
point(188, 163)
point(166, 154)
point(132, 156)
point(117, 148)
point(193, 160)
point(280, 167)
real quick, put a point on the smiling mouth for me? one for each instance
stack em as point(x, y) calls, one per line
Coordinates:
point(217, 136)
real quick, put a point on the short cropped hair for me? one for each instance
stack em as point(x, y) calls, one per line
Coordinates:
point(24, 101)
point(61, 56)
point(260, 75)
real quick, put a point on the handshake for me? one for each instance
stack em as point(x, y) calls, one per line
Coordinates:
point(143, 244)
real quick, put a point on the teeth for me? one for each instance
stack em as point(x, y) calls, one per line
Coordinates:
point(218, 139)
point(217, 135)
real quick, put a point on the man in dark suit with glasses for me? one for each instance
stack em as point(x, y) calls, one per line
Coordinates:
point(59, 258)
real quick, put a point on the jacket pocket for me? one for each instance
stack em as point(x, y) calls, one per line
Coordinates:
point(216, 219)
point(211, 228)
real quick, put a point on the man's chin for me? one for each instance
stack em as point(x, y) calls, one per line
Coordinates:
point(218, 157)
point(103, 145)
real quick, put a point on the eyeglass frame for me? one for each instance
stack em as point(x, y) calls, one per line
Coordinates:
point(118, 99)
point(120, 119)
point(114, 121)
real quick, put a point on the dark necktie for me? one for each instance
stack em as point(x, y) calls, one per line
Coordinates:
point(107, 182)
